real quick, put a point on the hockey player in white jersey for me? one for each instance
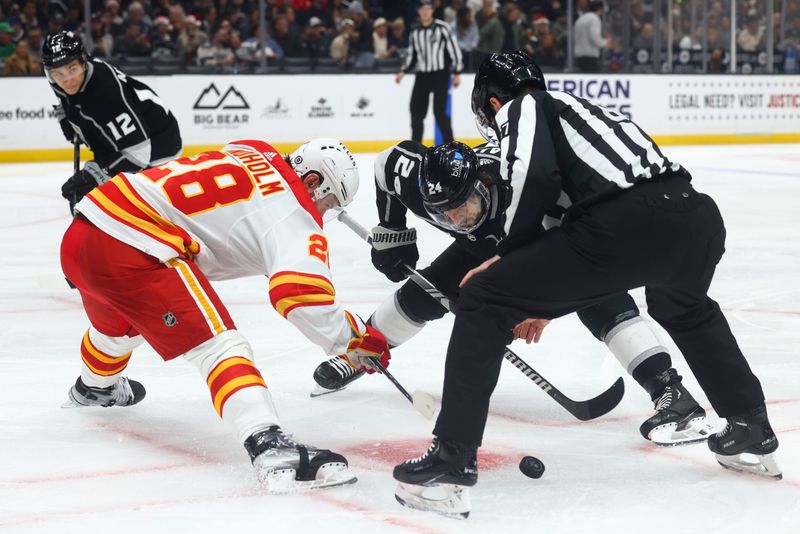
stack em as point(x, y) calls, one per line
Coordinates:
point(144, 246)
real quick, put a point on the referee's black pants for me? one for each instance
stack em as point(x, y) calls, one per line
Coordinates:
point(662, 235)
point(425, 83)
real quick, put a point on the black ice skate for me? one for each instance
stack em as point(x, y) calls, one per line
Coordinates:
point(678, 419)
point(438, 481)
point(334, 375)
point(285, 466)
point(747, 434)
point(124, 392)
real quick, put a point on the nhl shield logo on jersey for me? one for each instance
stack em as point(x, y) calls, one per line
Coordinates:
point(169, 319)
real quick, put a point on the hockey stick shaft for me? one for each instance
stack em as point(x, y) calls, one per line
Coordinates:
point(76, 155)
point(583, 410)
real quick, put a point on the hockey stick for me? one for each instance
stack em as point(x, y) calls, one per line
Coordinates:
point(421, 401)
point(583, 410)
point(76, 165)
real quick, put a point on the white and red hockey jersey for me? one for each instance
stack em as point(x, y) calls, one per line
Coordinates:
point(240, 211)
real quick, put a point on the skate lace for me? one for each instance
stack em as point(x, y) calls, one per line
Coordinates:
point(342, 367)
point(430, 450)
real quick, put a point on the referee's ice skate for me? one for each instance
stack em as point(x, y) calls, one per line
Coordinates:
point(285, 466)
point(748, 444)
point(678, 419)
point(439, 480)
point(334, 375)
point(124, 392)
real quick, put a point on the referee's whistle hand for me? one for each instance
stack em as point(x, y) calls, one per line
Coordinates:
point(399, 77)
point(456, 80)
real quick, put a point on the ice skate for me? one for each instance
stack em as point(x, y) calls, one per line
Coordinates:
point(439, 480)
point(748, 444)
point(678, 419)
point(334, 375)
point(284, 466)
point(124, 392)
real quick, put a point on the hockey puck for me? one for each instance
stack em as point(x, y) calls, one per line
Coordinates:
point(531, 467)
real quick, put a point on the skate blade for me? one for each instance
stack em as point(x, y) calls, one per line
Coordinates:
point(320, 391)
point(668, 435)
point(755, 464)
point(284, 481)
point(72, 404)
point(454, 501)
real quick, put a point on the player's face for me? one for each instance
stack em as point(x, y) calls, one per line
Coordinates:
point(469, 214)
point(68, 77)
point(328, 204)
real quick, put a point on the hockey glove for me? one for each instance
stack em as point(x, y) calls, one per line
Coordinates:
point(391, 249)
point(66, 126)
point(82, 182)
point(370, 344)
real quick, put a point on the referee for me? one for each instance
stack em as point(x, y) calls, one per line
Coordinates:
point(433, 55)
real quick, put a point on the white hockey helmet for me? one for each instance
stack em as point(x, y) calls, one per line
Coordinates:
point(331, 159)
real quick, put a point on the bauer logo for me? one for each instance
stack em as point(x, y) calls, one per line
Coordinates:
point(321, 109)
point(215, 109)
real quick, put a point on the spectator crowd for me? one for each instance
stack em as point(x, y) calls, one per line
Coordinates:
point(364, 35)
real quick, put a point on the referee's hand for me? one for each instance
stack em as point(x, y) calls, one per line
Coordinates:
point(456, 80)
point(399, 77)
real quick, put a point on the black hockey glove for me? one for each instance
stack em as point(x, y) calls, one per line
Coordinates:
point(82, 182)
point(391, 249)
point(66, 126)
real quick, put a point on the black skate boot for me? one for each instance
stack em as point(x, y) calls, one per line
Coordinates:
point(285, 466)
point(747, 433)
point(678, 419)
point(334, 375)
point(124, 392)
point(438, 481)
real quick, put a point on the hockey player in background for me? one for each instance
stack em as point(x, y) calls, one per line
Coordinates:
point(143, 247)
point(636, 222)
point(122, 121)
point(400, 171)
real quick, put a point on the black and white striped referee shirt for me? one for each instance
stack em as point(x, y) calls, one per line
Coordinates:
point(433, 48)
point(555, 145)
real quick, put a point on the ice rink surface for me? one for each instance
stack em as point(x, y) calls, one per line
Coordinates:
point(170, 465)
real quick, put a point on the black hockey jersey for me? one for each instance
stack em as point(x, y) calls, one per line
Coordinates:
point(556, 147)
point(397, 191)
point(121, 120)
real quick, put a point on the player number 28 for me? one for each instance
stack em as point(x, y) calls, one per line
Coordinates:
point(195, 185)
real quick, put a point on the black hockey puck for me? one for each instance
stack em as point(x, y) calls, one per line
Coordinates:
point(531, 467)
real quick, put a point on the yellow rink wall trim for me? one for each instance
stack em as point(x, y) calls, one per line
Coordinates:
point(66, 154)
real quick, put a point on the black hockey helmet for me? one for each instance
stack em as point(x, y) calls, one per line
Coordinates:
point(61, 48)
point(452, 192)
point(502, 76)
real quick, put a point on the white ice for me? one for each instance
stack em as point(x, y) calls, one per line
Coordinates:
point(169, 464)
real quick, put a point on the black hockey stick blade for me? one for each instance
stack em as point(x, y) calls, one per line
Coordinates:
point(583, 410)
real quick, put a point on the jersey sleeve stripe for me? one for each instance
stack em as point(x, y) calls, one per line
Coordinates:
point(288, 291)
point(118, 199)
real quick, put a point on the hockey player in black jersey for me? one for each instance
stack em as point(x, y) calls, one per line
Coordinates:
point(400, 172)
point(636, 222)
point(122, 121)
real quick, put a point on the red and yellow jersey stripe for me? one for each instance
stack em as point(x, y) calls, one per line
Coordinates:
point(289, 290)
point(120, 201)
point(99, 362)
point(229, 376)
